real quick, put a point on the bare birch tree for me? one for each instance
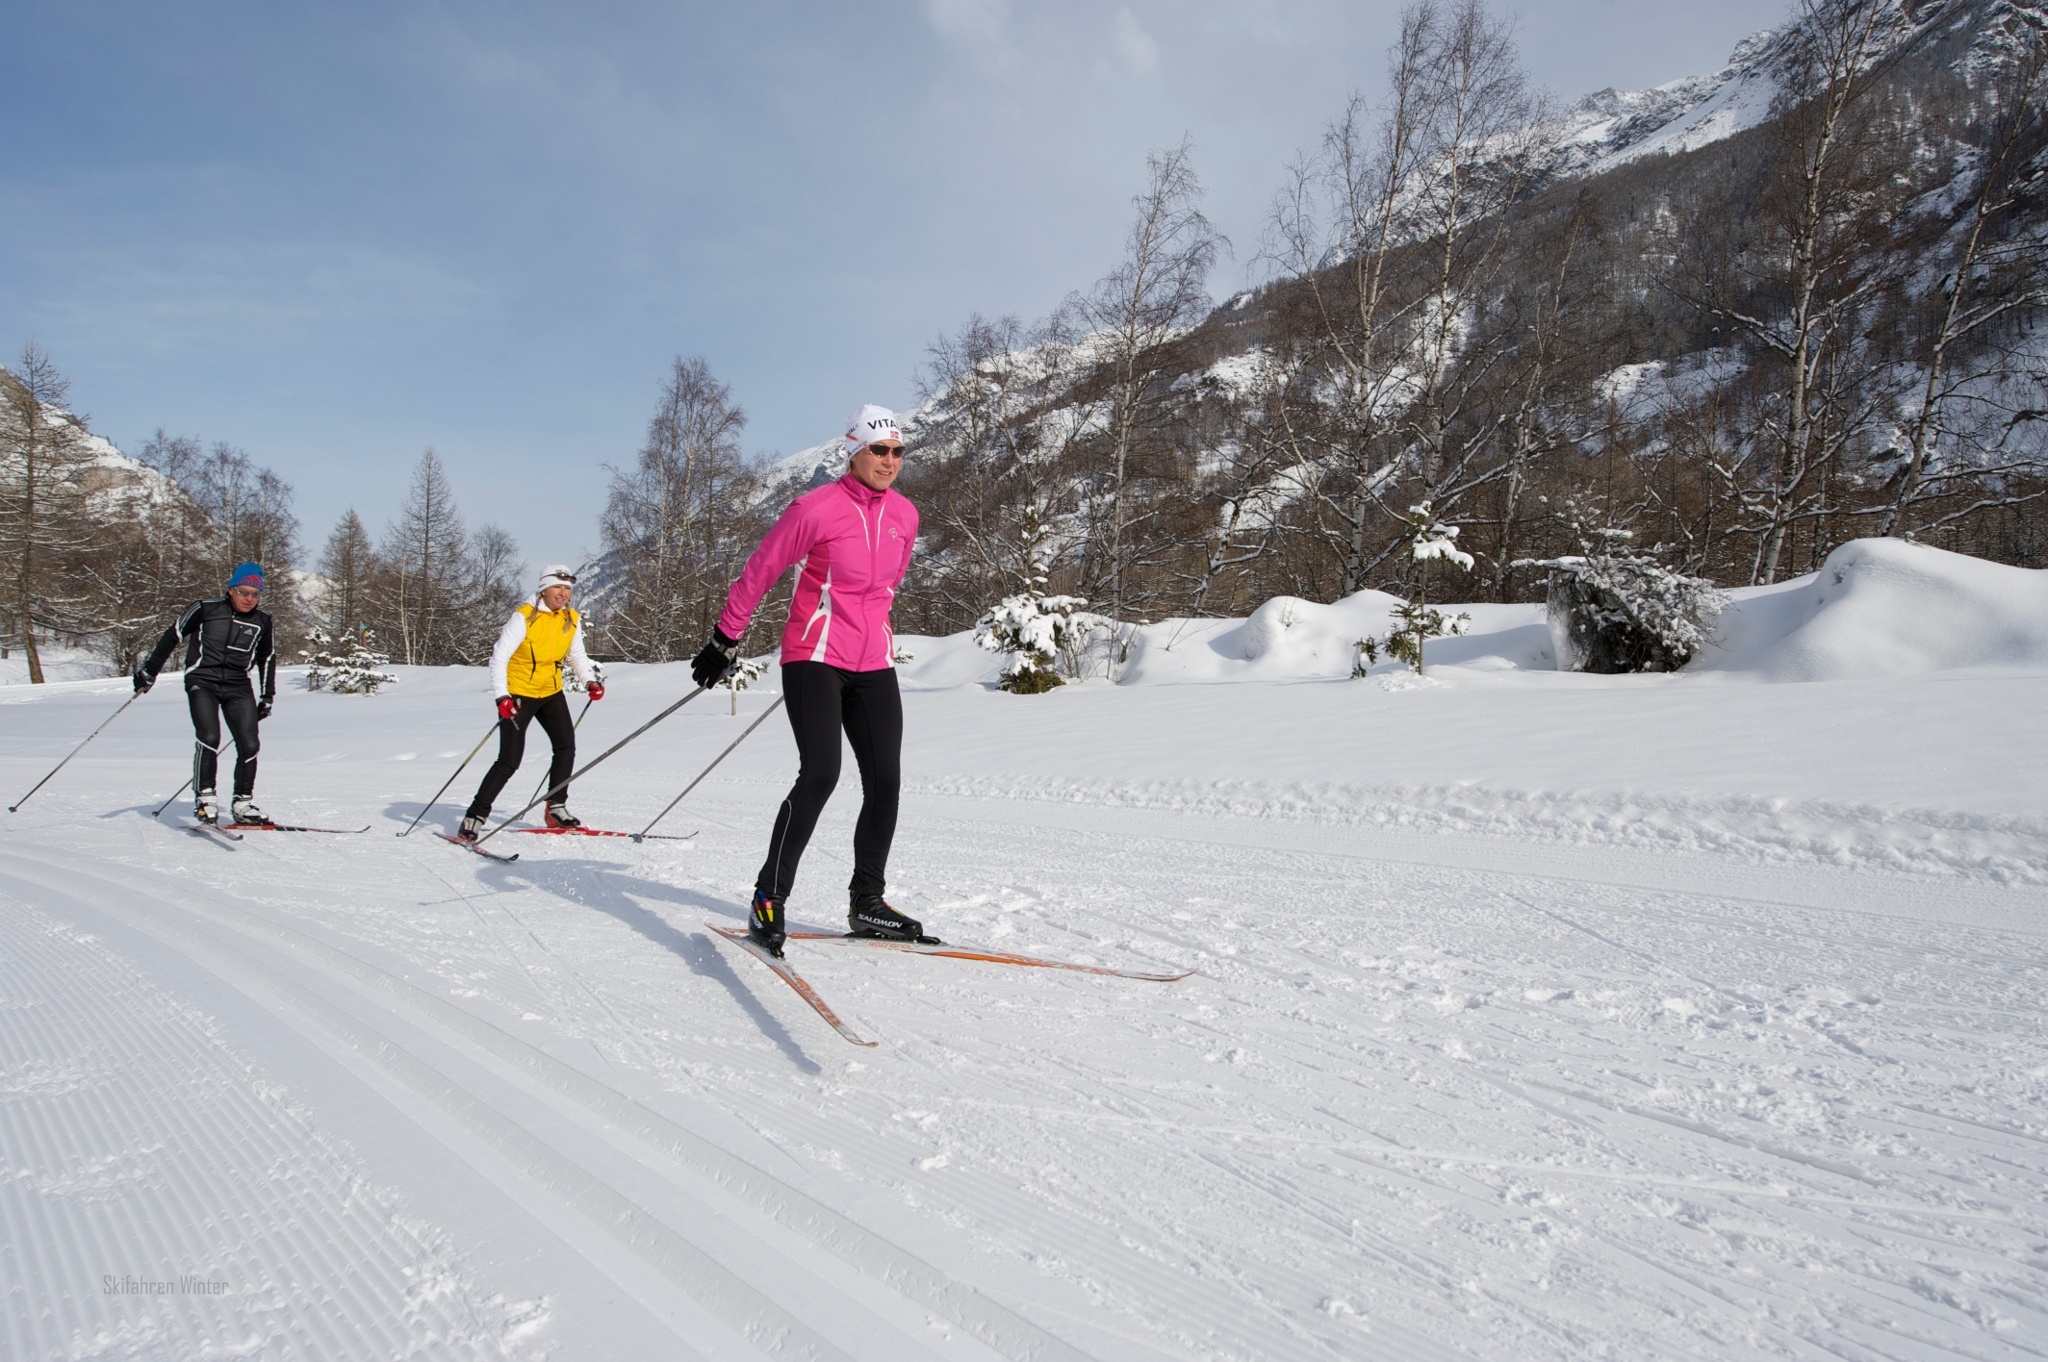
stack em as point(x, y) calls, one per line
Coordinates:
point(676, 523)
point(1134, 313)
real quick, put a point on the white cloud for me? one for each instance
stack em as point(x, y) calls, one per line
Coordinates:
point(1137, 47)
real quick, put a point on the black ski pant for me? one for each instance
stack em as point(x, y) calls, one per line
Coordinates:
point(822, 701)
point(212, 701)
point(553, 714)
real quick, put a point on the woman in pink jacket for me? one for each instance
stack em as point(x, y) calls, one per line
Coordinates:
point(851, 542)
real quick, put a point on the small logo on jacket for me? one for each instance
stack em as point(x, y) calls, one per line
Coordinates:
point(895, 533)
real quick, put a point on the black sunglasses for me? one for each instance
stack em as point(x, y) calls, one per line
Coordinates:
point(896, 450)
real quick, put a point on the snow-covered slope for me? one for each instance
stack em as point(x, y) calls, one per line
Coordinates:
point(1613, 127)
point(1883, 607)
point(1877, 607)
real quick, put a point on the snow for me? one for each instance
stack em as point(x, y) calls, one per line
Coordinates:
point(1539, 1015)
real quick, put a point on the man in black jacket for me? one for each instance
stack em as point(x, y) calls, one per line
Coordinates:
point(224, 640)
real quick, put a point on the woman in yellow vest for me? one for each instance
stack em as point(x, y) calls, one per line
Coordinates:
point(526, 670)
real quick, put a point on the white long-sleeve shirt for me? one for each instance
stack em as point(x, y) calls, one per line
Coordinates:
point(514, 634)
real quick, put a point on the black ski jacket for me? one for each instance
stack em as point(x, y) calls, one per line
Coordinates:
point(221, 645)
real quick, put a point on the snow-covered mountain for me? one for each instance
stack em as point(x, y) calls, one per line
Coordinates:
point(1610, 128)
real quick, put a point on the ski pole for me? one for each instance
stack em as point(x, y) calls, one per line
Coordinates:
point(572, 728)
point(74, 752)
point(450, 781)
point(574, 775)
point(168, 802)
point(707, 770)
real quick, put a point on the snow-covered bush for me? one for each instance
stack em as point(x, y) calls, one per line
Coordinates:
point(346, 668)
point(1034, 629)
point(1622, 612)
point(1417, 622)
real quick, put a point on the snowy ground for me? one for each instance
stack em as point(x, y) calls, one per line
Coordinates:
point(1538, 1016)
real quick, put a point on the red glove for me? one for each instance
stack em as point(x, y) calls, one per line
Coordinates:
point(508, 708)
point(595, 690)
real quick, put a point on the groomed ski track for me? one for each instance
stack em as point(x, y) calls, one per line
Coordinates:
point(1429, 1096)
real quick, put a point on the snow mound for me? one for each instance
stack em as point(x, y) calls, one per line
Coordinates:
point(1885, 607)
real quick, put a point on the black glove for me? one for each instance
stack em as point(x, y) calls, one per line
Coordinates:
point(143, 681)
point(263, 708)
point(715, 661)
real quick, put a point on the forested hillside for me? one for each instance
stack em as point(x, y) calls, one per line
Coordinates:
point(1726, 326)
point(1716, 328)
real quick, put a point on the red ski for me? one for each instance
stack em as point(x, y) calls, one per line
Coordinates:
point(789, 976)
point(481, 851)
point(992, 957)
point(607, 832)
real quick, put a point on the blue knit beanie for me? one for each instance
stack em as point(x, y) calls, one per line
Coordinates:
point(246, 574)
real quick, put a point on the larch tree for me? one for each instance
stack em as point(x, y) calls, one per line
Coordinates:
point(43, 529)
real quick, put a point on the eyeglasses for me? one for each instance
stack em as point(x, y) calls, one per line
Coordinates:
point(245, 591)
point(887, 451)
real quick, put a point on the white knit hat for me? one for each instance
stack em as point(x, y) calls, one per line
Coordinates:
point(556, 574)
point(872, 425)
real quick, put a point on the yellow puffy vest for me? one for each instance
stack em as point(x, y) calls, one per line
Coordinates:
point(535, 670)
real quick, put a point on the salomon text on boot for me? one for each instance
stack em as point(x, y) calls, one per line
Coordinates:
point(871, 915)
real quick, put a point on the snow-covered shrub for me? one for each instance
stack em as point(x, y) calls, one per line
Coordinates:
point(744, 673)
point(1621, 612)
point(1417, 622)
point(1034, 629)
point(346, 669)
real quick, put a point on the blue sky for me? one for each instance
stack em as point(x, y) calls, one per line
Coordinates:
point(335, 234)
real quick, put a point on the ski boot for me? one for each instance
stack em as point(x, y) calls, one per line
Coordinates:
point(560, 817)
point(206, 808)
point(247, 815)
point(870, 915)
point(471, 829)
point(765, 925)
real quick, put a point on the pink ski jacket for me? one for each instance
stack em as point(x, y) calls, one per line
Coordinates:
point(853, 544)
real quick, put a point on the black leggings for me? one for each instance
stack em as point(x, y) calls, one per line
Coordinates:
point(553, 713)
point(822, 700)
point(209, 704)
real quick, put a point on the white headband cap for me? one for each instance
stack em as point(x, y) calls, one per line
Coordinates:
point(556, 574)
point(872, 425)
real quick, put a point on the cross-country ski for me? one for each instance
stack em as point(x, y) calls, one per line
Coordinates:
point(607, 832)
point(958, 952)
point(469, 844)
point(787, 973)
